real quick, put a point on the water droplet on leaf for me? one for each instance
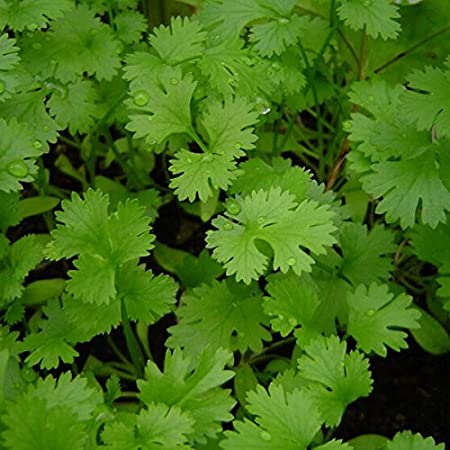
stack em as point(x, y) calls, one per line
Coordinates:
point(140, 98)
point(46, 128)
point(233, 207)
point(238, 146)
point(283, 20)
point(37, 45)
point(370, 312)
point(347, 124)
point(292, 322)
point(173, 81)
point(265, 110)
point(260, 220)
point(291, 261)
point(17, 169)
point(37, 144)
point(228, 226)
point(188, 160)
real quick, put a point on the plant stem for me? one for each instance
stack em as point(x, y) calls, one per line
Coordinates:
point(132, 344)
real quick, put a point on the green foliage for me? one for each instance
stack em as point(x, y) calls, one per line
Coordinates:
point(287, 162)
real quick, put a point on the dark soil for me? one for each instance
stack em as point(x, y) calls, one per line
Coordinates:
point(411, 392)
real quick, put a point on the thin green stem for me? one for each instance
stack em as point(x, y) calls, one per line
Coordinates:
point(132, 343)
point(116, 350)
point(363, 56)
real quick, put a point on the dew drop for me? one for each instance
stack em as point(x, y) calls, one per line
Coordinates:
point(149, 118)
point(207, 158)
point(238, 146)
point(291, 261)
point(37, 144)
point(370, 312)
point(233, 207)
point(46, 128)
point(265, 110)
point(37, 45)
point(283, 20)
point(173, 81)
point(368, 3)
point(140, 98)
point(2, 87)
point(260, 220)
point(152, 141)
point(347, 124)
point(228, 226)
point(33, 26)
point(17, 169)
point(292, 322)
point(275, 65)
point(189, 160)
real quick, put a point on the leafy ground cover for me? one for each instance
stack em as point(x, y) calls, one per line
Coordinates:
point(223, 224)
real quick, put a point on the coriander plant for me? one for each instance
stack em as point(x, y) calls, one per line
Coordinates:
point(214, 214)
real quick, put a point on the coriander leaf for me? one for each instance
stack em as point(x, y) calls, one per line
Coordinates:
point(229, 130)
point(54, 340)
point(256, 174)
point(76, 43)
point(10, 213)
point(230, 17)
point(148, 297)
point(18, 152)
point(339, 378)
point(365, 253)
point(130, 26)
point(29, 110)
point(198, 174)
point(9, 60)
point(31, 14)
point(193, 387)
point(376, 16)
point(103, 243)
point(158, 427)
point(403, 184)
point(405, 440)
point(275, 36)
point(75, 107)
point(182, 40)
point(293, 302)
point(427, 102)
point(224, 314)
point(432, 246)
point(287, 421)
point(375, 317)
point(63, 408)
point(161, 105)
point(273, 217)
point(18, 260)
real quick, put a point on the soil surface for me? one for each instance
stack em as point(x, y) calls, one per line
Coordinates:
point(411, 392)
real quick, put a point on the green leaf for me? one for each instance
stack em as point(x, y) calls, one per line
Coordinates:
point(19, 259)
point(64, 409)
point(376, 318)
point(338, 378)
point(431, 335)
point(182, 40)
point(67, 51)
point(158, 427)
point(365, 254)
point(225, 314)
point(287, 421)
point(31, 14)
point(75, 106)
point(369, 442)
point(130, 26)
point(273, 217)
point(161, 105)
point(293, 303)
point(405, 440)
point(427, 102)
point(244, 381)
point(377, 17)
point(194, 387)
point(103, 243)
point(18, 152)
point(228, 131)
point(34, 206)
point(10, 212)
point(54, 340)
